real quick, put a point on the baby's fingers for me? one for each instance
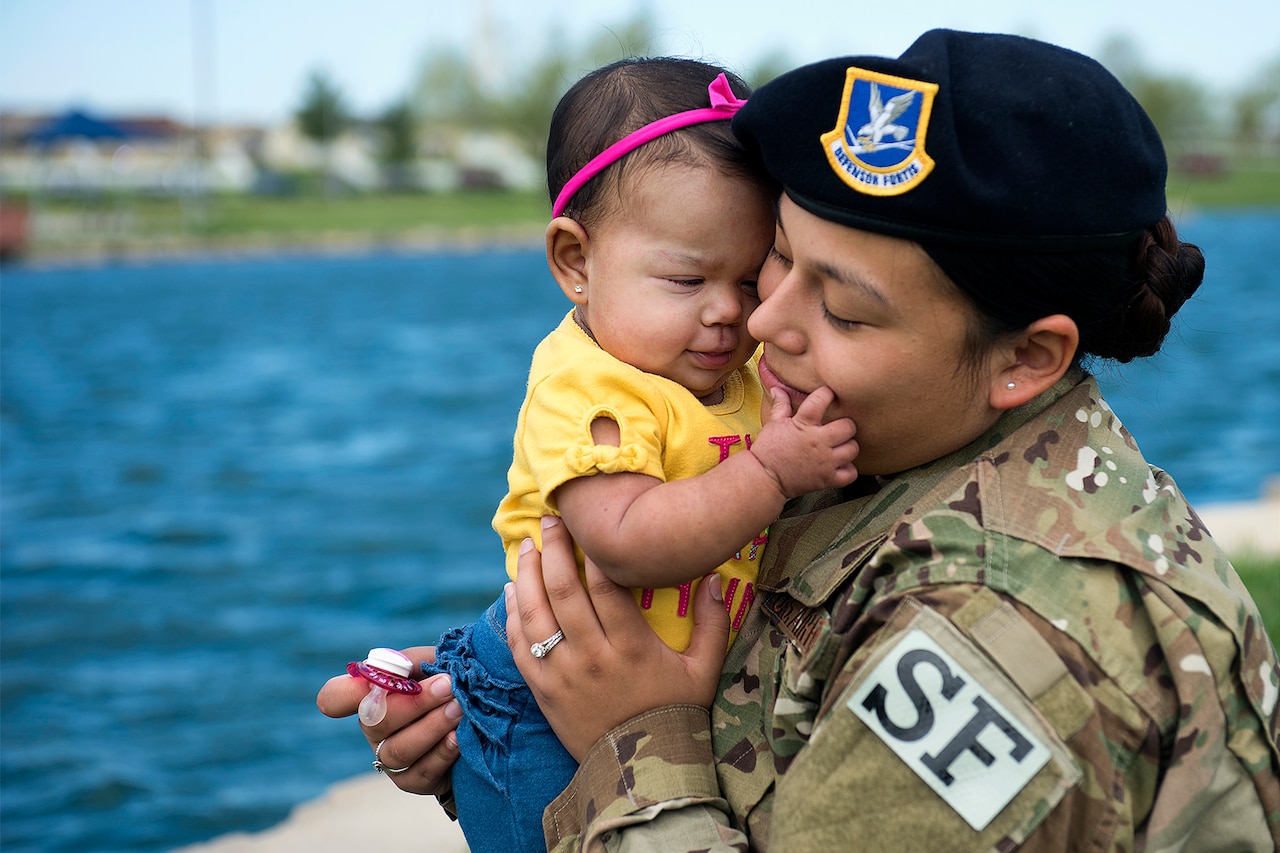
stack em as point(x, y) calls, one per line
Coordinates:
point(779, 408)
point(812, 409)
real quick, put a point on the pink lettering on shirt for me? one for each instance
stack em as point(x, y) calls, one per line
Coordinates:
point(724, 442)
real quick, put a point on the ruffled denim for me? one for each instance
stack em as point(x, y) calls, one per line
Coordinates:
point(511, 765)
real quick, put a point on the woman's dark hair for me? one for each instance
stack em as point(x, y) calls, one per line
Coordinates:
point(615, 100)
point(1122, 299)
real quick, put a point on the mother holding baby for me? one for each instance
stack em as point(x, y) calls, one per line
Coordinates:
point(1011, 631)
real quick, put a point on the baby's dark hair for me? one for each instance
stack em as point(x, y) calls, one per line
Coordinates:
point(615, 100)
point(1122, 299)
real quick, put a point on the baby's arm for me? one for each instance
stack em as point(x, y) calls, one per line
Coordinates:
point(643, 532)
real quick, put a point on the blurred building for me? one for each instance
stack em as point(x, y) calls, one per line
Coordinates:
point(80, 153)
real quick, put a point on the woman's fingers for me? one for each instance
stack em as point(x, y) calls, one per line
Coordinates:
point(529, 613)
point(549, 596)
point(705, 655)
point(416, 736)
point(610, 665)
point(340, 696)
point(422, 751)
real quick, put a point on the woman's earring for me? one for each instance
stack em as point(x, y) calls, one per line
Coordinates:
point(577, 288)
point(1011, 385)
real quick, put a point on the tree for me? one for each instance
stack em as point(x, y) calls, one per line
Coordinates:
point(446, 91)
point(1257, 112)
point(1179, 106)
point(771, 65)
point(323, 116)
point(399, 142)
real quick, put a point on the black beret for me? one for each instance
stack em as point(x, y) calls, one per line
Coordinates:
point(971, 140)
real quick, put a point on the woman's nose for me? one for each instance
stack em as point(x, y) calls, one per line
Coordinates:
point(772, 322)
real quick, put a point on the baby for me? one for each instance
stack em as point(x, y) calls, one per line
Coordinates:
point(641, 426)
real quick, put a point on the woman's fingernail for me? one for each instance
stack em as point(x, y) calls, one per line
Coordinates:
point(526, 545)
point(717, 591)
point(453, 710)
point(549, 521)
point(441, 687)
point(508, 590)
point(451, 741)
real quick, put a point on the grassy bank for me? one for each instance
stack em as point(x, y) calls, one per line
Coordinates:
point(1262, 576)
point(1246, 183)
point(121, 224)
point(111, 223)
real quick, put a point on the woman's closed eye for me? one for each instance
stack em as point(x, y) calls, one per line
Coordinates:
point(775, 255)
point(839, 322)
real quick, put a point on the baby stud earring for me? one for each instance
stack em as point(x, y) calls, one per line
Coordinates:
point(1011, 385)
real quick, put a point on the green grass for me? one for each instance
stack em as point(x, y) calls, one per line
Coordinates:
point(144, 223)
point(1262, 576)
point(1245, 183)
point(375, 214)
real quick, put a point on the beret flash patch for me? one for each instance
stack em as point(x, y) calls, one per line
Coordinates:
point(877, 146)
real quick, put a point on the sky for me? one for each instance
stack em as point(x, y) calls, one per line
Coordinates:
point(249, 60)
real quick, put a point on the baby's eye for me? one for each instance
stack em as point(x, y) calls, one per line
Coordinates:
point(775, 255)
point(688, 282)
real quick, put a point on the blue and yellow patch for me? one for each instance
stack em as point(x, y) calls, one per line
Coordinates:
point(877, 146)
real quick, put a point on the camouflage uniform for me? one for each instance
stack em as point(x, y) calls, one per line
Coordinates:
point(1041, 607)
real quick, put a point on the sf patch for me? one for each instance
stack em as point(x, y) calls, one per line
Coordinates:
point(950, 729)
point(877, 146)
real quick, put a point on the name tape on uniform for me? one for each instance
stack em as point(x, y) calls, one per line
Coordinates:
point(948, 728)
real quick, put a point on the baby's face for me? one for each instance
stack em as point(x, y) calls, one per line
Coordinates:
point(671, 273)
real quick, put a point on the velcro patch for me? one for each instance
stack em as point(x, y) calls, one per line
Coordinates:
point(948, 728)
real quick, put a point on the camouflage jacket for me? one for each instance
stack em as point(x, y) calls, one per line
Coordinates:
point(1032, 643)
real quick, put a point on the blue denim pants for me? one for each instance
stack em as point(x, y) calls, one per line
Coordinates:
point(511, 764)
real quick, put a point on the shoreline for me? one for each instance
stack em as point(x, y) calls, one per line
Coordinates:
point(139, 250)
point(338, 820)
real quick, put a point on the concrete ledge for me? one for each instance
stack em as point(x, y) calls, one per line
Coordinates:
point(364, 813)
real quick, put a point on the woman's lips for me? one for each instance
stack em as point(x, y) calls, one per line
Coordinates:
point(771, 380)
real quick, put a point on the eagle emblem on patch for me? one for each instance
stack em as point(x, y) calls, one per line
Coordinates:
point(877, 146)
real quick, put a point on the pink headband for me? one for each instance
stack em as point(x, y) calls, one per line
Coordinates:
point(723, 105)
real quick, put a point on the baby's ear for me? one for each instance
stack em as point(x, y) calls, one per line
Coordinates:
point(567, 249)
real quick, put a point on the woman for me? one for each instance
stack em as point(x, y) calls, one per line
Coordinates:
point(1011, 631)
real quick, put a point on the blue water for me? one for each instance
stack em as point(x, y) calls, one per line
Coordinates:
point(224, 479)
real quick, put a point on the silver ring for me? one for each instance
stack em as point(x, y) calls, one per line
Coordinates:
point(379, 766)
point(539, 650)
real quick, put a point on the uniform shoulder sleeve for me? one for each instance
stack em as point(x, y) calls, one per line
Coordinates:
point(649, 785)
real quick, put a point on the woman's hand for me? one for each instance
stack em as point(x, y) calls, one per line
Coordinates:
point(610, 666)
point(417, 732)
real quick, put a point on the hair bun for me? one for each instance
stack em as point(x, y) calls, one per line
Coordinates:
point(1166, 273)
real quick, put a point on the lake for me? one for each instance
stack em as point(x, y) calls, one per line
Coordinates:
point(225, 478)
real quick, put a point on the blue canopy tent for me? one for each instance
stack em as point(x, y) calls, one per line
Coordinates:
point(75, 125)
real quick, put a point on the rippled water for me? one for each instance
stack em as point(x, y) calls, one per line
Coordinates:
point(224, 479)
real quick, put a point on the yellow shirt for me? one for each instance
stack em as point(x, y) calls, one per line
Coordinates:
point(665, 433)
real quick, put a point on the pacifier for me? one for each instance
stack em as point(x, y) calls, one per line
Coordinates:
point(385, 670)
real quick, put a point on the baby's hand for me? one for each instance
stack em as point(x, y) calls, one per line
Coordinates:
point(799, 451)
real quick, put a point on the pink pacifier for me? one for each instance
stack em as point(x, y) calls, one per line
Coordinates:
point(385, 670)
